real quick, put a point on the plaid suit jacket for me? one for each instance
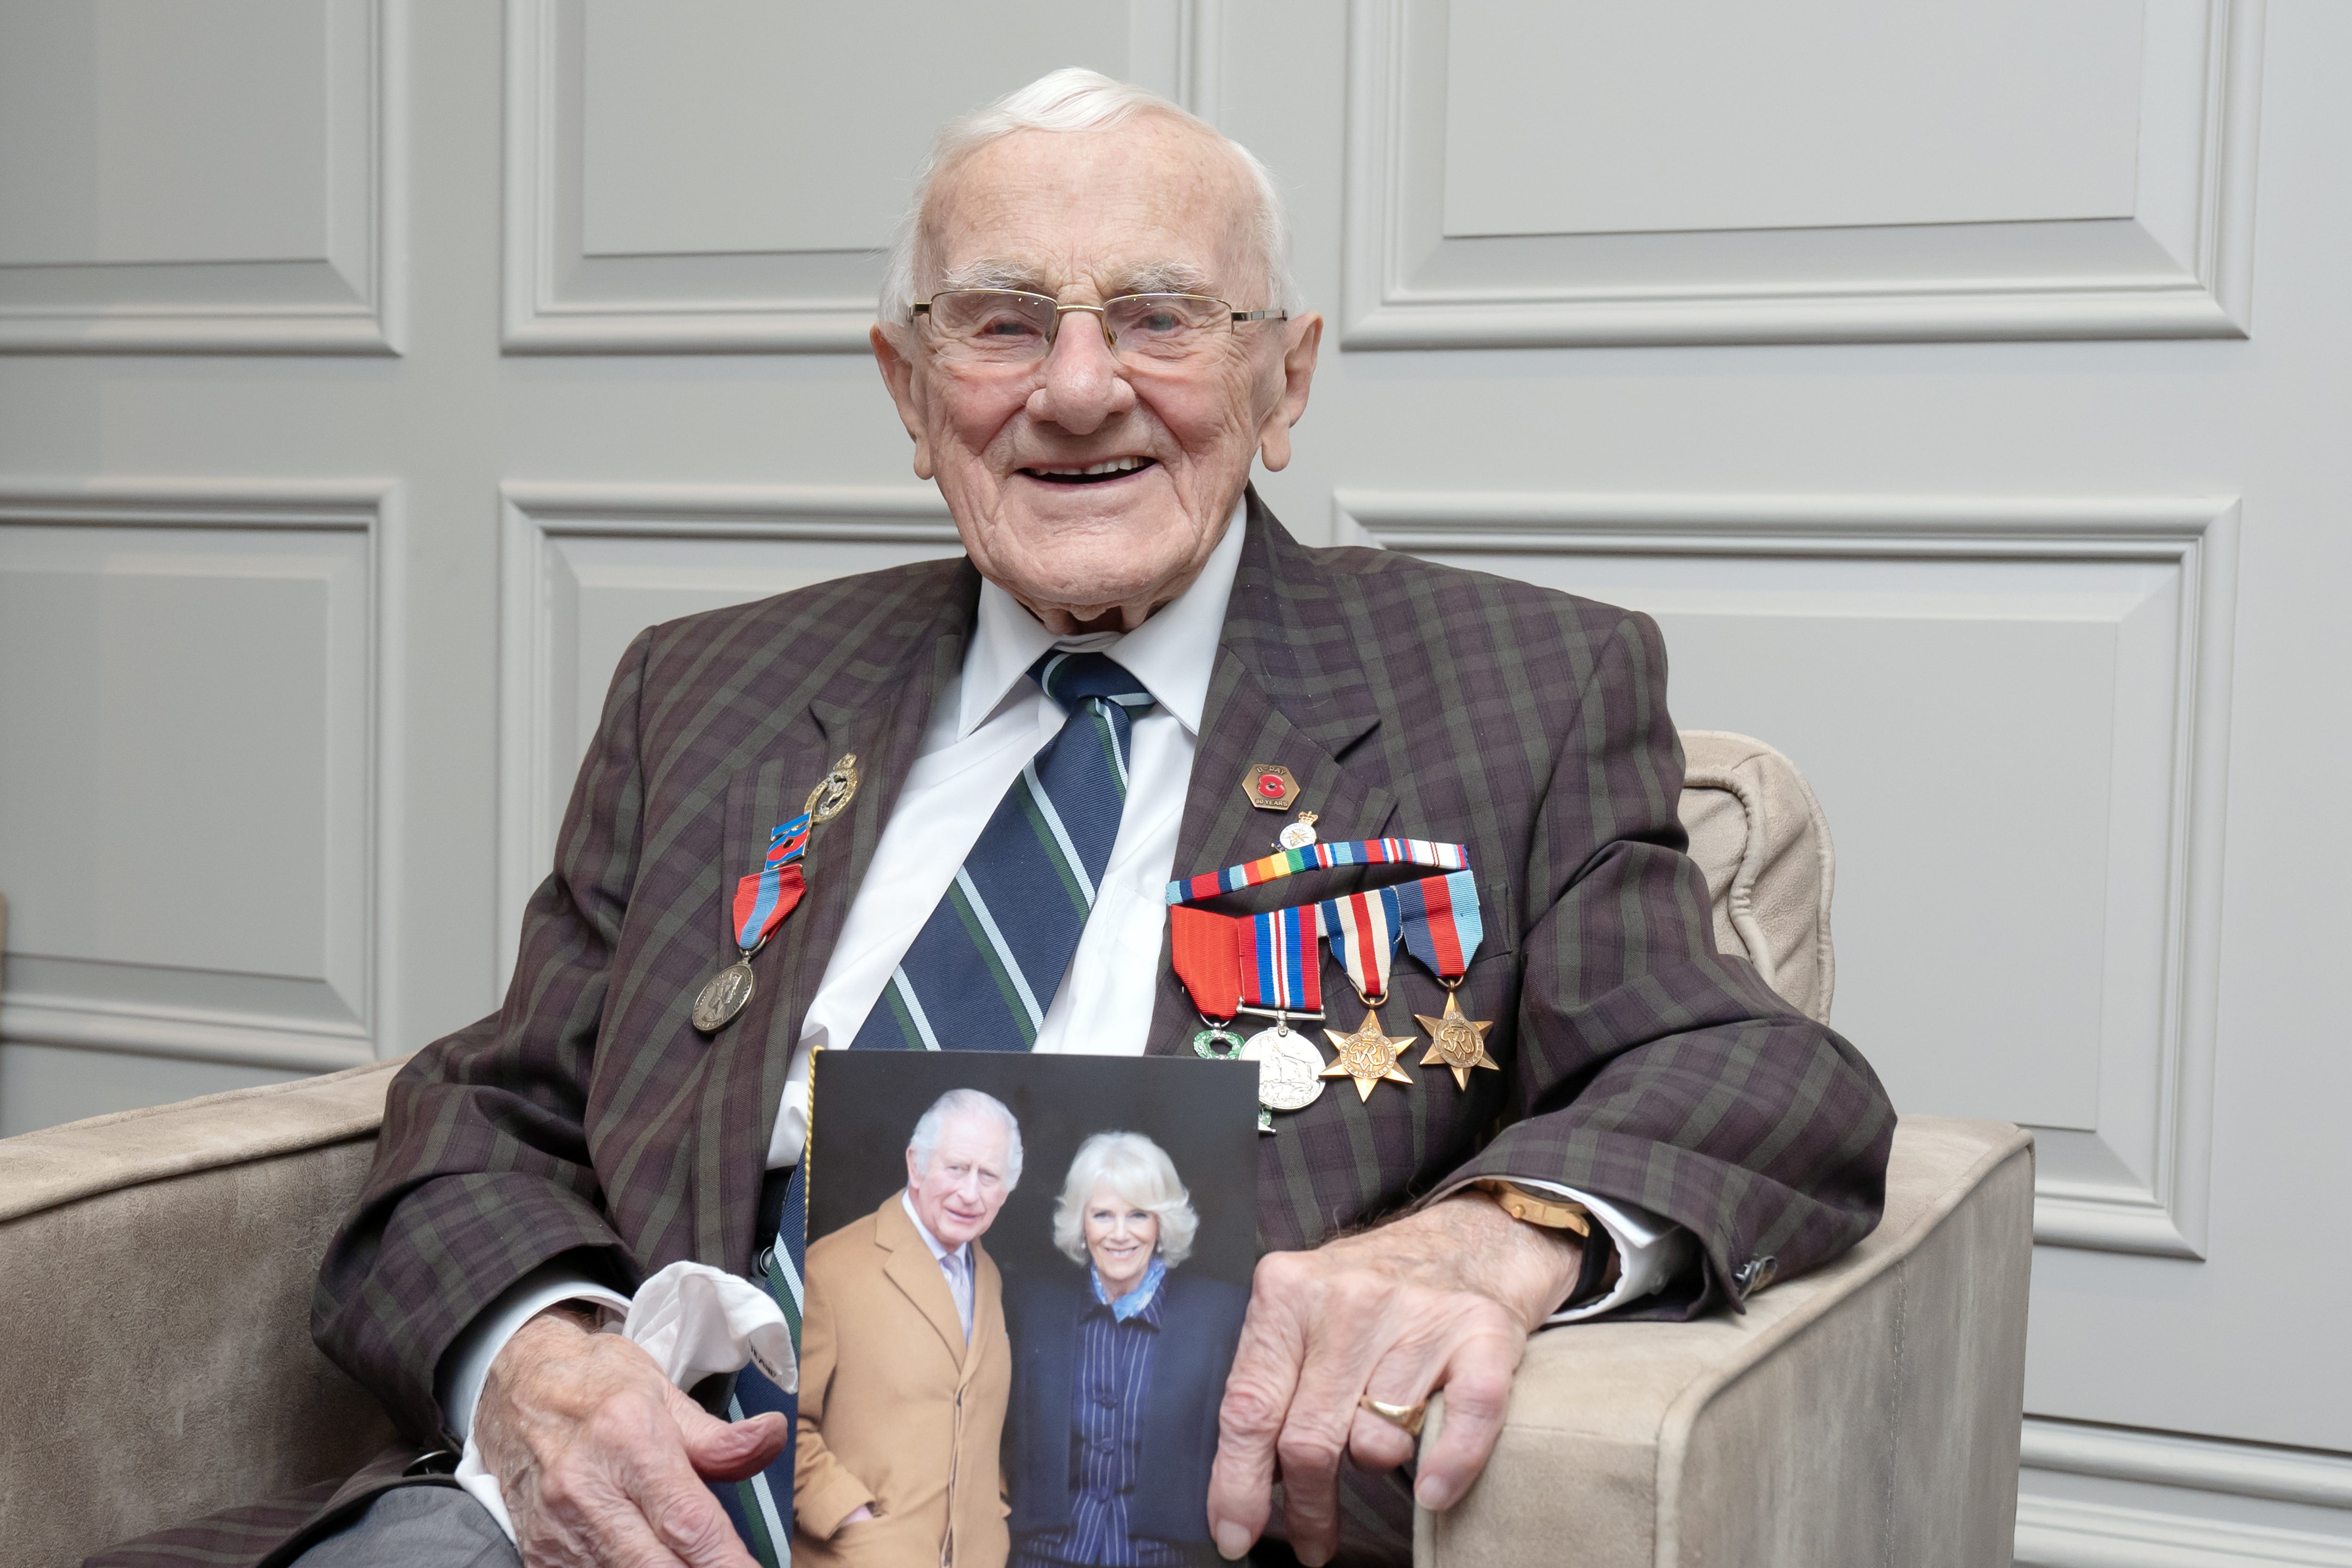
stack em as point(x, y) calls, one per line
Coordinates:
point(588, 1117)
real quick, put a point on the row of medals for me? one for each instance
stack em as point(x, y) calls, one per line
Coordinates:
point(1291, 1072)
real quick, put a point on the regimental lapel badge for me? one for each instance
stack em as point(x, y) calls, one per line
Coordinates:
point(1369, 1056)
point(1297, 835)
point(835, 791)
point(1457, 1040)
point(1269, 786)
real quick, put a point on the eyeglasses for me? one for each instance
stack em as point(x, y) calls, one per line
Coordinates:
point(1012, 327)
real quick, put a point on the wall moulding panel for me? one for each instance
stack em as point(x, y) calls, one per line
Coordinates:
point(584, 567)
point(205, 883)
point(1905, 650)
point(232, 182)
point(1426, 266)
point(2098, 1496)
point(631, 137)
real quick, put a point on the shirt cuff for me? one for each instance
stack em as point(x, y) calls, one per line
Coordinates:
point(467, 1365)
point(1652, 1250)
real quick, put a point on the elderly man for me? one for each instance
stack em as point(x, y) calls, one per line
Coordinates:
point(1085, 332)
point(904, 1358)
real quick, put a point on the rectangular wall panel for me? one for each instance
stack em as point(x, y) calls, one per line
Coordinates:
point(726, 177)
point(2014, 714)
point(1831, 170)
point(1585, 117)
point(589, 566)
point(200, 179)
point(187, 794)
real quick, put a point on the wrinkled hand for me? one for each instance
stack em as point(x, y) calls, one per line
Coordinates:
point(1441, 1298)
point(603, 1462)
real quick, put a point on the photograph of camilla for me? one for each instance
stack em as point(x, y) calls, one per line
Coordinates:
point(1025, 1283)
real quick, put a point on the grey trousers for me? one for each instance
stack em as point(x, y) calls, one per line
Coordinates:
point(416, 1527)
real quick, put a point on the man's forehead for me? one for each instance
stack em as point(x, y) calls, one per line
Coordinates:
point(974, 1133)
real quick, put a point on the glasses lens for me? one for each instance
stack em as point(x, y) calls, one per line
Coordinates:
point(995, 325)
point(1165, 326)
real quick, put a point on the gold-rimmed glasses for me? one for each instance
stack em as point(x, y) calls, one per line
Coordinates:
point(1014, 327)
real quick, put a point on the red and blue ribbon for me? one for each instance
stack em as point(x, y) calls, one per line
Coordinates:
point(1440, 922)
point(1281, 960)
point(765, 897)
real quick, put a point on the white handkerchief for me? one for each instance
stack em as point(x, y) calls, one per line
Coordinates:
point(694, 1321)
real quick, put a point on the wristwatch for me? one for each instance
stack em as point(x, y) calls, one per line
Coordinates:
point(1599, 1270)
point(1538, 1208)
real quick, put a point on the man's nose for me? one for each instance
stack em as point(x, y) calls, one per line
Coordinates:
point(1080, 385)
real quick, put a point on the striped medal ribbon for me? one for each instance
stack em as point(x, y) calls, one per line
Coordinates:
point(762, 900)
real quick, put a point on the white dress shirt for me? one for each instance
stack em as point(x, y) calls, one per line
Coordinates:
point(984, 726)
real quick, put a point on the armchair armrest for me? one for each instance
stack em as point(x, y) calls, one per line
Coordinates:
point(1867, 1414)
point(155, 1275)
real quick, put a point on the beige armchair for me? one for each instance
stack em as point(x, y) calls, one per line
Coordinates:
point(1865, 1414)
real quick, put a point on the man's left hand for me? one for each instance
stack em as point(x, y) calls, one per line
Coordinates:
point(1443, 1298)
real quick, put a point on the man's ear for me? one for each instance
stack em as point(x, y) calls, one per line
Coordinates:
point(898, 374)
point(1302, 335)
point(911, 1173)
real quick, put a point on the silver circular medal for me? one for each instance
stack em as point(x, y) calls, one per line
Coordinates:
point(723, 997)
point(1287, 1065)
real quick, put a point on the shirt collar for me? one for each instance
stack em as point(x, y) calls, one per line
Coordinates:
point(938, 1252)
point(1173, 653)
point(1134, 1301)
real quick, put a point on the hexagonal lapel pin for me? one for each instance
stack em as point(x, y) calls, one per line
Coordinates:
point(1269, 786)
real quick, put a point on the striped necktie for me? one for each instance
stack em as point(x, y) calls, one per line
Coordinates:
point(980, 975)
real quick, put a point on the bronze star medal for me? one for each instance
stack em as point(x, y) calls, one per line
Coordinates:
point(1368, 1056)
point(1457, 1040)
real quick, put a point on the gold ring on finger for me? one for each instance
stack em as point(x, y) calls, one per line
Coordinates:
point(1408, 1416)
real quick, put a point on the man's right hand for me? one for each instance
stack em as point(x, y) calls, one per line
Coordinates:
point(603, 1462)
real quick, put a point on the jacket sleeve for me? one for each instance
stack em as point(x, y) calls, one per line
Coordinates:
point(482, 1171)
point(1652, 1069)
point(824, 1491)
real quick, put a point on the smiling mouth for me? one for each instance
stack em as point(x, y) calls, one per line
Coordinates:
point(1093, 473)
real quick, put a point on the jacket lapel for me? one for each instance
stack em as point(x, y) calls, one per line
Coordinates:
point(1244, 724)
point(876, 708)
point(918, 1274)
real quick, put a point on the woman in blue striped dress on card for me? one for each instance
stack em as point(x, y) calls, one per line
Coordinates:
point(1117, 1372)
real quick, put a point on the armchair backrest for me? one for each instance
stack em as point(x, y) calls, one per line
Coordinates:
point(1759, 835)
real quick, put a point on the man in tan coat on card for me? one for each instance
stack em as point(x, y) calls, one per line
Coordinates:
point(905, 1366)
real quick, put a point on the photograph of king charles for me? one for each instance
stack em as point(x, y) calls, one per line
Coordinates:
point(1090, 334)
point(904, 1363)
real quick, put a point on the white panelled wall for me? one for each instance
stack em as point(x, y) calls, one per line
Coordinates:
point(1963, 385)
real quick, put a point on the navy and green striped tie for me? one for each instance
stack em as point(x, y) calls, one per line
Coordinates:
point(980, 973)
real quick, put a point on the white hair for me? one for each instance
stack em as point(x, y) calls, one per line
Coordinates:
point(966, 1103)
point(1137, 1171)
point(1075, 98)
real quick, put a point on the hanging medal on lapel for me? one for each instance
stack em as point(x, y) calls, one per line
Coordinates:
point(1442, 928)
point(1208, 950)
point(1279, 956)
point(762, 900)
point(1363, 931)
point(1202, 945)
